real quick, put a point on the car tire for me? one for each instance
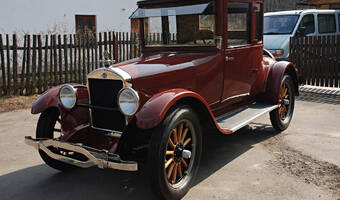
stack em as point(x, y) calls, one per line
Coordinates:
point(171, 171)
point(282, 116)
point(45, 130)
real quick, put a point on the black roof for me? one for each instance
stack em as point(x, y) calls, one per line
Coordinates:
point(145, 2)
point(153, 1)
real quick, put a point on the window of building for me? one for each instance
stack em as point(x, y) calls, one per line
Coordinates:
point(86, 24)
point(335, 6)
point(259, 21)
point(326, 23)
point(309, 23)
point(239, 23)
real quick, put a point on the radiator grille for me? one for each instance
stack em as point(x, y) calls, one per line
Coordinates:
point(103, 93)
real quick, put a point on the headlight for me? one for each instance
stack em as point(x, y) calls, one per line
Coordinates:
point(277, 52)
point(128, 101)
point(68, 96)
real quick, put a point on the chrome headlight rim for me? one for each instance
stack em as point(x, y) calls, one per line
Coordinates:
point(135, 94)
point(74, 93)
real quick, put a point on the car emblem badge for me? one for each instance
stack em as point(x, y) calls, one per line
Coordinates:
point(104, 75)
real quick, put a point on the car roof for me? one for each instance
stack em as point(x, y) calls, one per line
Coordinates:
point(298, 12)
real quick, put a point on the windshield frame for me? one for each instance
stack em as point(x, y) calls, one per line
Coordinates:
point(278, 33)
point(179, 46)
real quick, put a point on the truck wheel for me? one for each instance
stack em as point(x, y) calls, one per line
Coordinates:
point(174, 153)
point(282, 116)
point(49, 128)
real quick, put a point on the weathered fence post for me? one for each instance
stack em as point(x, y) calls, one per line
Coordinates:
point(66, 59)
point(2, 65)
point(15, 64)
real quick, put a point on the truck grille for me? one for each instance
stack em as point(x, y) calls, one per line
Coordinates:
point(104, 111)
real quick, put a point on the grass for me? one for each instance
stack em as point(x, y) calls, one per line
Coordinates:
point(12, 103)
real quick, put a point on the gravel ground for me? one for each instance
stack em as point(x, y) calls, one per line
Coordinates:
point(255, 163)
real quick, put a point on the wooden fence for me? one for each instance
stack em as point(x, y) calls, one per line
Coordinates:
point(44, 61)
point(318, 59)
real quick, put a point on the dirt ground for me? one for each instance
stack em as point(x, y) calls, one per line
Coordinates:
point(12, 103)
point(302, 163)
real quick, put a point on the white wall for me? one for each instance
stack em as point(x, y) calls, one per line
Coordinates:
point(44, 16)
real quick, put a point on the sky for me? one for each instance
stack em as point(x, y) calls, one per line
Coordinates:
point(46, 16)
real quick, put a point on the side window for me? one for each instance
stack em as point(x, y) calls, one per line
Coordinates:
point(326, 23)
point(309, 23)
point(259, 21)
point(339, 21)
point(239, 24)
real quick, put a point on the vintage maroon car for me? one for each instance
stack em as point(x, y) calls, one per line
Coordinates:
point(207, 71)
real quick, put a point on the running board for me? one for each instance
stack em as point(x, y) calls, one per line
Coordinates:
point(240, 118)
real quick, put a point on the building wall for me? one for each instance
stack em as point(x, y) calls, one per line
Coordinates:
point(326, 4)
point(51, 16)
point(280, 5)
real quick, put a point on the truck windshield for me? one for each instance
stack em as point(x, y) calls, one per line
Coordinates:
point(191, 25)
point(280, 24)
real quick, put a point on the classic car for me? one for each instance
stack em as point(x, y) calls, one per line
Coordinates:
point(208, 72)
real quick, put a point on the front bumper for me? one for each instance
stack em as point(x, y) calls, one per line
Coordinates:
point(95, 157)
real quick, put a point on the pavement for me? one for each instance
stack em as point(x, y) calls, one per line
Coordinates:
point(302, 163)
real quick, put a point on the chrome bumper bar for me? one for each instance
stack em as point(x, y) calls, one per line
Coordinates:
point(95, 157)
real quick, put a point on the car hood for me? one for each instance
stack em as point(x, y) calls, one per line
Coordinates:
point(161, 63)
point(154, 73)
point(275, 41)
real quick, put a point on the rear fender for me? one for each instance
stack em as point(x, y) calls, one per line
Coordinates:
point(156, 108)
point(275, 77)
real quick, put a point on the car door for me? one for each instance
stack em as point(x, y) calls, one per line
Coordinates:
point(239, 71)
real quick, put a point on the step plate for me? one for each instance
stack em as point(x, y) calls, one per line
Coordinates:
point(240, 118)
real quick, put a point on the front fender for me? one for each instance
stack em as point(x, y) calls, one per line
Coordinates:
point(275, 76)
point(50, 98)
point(72, 121)
point(155, 109)
point(46, 100)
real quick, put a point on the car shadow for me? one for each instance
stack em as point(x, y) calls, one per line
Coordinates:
point(42, 182)
point(320, 96)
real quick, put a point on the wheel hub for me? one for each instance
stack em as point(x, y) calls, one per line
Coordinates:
point(178, 155)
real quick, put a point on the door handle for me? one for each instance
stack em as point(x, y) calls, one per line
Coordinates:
point(229, 58)
point(255, 70)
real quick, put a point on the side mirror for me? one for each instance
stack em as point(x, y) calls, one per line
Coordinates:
point(301, 31)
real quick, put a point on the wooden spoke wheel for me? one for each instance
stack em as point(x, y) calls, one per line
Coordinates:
point(178, 153)
point(174, 153)
point(284, 101)
point(282, 116)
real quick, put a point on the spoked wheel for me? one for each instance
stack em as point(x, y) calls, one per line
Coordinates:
point(181, 146)
point(174, 154)
point(49, 127)
point(282, 116)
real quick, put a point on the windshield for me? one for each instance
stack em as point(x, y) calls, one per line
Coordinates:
point(280, 24)
point(180, 26)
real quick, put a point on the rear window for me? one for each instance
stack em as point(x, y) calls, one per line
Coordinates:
point(326, 23)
